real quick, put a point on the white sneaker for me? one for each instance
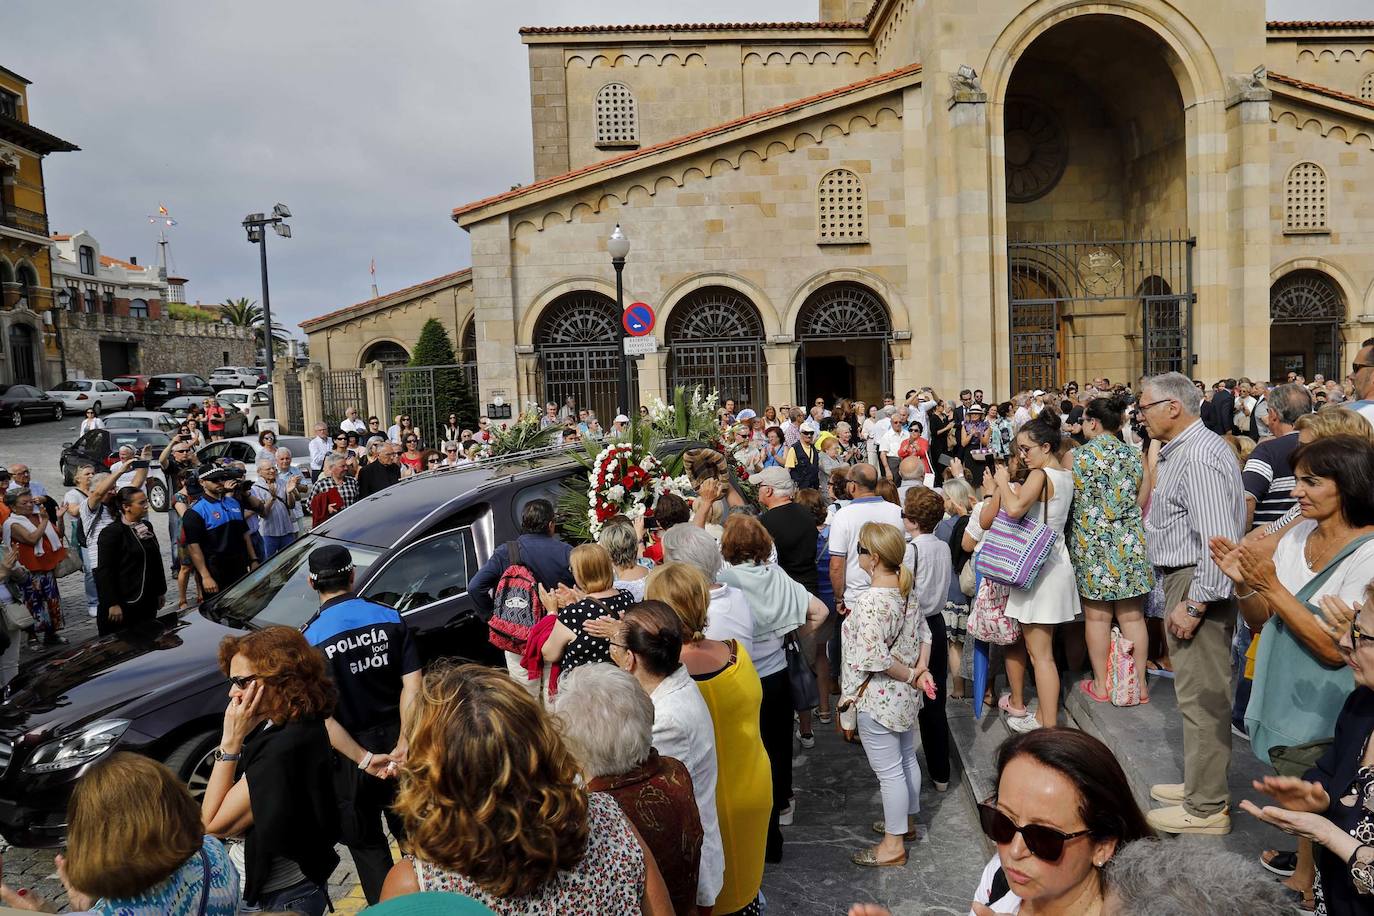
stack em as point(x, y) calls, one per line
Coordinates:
point(1023, 724)
point(785, 815)
point(807, 741)
point(91, 610)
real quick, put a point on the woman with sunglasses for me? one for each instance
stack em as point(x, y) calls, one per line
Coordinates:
point(267, 444)
point(452, 428)
point(272, 781)
point(431, 460)
point(1332, 804)
point(412, 458)
point(1062, 809)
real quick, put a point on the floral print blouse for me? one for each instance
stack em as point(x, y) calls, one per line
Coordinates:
point(883, 626)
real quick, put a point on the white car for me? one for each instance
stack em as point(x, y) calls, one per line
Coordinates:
point(233, 377)
point(81, 393)
point(245, 449)
point(253, 404)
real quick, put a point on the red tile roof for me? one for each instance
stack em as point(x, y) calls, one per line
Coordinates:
point(686, 138)
point(691, 27)
point(340, 313)
point(107, 261)
point(1293, 25)
point(1321, 90)
point(61, 238)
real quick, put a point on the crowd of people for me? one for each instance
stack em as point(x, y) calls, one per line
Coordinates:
point(636, 754)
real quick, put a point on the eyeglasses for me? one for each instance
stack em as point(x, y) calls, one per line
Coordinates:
point(1356, 367)
point(1045, 843)
point(340, 438)
point(863, 551)
point(1144, 407)
point(242, 682)
point(1358, 635)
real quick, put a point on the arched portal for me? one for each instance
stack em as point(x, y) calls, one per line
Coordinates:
point(1306, 310)
point(23, 354)
point(1096, 177)
point(844, 330)
point(386, 352)
point(715, 339)
point(467, 353)
point(578, 342)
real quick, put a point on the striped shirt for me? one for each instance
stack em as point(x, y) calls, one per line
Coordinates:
point(1269, 478)
point(1198, 495)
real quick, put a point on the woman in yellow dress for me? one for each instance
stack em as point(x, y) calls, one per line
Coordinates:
point(728, 682)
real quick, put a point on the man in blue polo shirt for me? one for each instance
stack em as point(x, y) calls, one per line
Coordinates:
point(216, 532)
point(376, 668)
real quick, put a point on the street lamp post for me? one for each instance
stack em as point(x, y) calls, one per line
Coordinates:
point(619, 247)
point(255, 225)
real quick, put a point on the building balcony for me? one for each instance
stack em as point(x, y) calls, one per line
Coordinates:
point(34, 298)
point(25, 220)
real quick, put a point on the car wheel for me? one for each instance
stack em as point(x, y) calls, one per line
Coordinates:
point(157, 495)
point(97, 408)
point(58, 413)
point(193, 760)
point(16, 417)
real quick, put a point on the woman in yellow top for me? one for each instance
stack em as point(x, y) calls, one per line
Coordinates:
point(725, 675)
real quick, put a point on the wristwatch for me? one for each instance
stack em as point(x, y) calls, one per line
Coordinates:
point(220, 755)
point(1195, 610)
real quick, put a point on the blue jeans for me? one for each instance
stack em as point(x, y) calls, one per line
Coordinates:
point(307, 898)
point(92, 598)
point(273, 543)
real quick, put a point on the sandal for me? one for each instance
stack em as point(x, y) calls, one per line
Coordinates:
point(822, 716)
point(1086, 685)
point(1282, 864)
point(868, 858)
point(880, 828)
point(1004, 704)
point(1158, 670)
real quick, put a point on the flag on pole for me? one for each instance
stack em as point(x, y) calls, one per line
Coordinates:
point(162, 211)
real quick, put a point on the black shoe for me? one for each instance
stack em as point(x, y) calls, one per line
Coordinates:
point(1282, 864)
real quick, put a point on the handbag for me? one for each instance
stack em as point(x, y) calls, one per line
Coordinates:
point(17, 616)
point(1015, 549)
point(847, 710)
point(71, 563)
point(968, 580)
point(801, 677)
point(1123, 688)
point(988, 620)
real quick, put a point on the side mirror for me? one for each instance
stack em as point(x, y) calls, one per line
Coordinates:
point(66, 445)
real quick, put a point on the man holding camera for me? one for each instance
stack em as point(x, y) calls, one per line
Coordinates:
point(217, 536)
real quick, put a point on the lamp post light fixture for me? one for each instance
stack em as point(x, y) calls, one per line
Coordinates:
point(255, 225)
point(64, 301)
point(619, 247)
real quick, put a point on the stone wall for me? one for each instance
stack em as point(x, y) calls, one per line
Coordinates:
point(156, 346)
point(1341, 62)
point(344, 344)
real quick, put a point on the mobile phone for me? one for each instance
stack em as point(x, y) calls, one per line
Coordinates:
point(139, 463)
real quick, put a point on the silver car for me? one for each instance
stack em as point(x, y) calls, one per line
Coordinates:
point(80, 394)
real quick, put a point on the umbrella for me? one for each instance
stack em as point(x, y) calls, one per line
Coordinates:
point(980, 676)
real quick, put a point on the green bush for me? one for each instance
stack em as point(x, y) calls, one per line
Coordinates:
point(451, 391)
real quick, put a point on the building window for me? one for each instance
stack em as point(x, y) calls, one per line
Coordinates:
point(86, 260)
point(617, 120)
point(74, 298)
point(92, 303)
point(9, 104)
point(109, 302)
point(138, 308)
point(1367, 87)
point(1305, 199)
point(841, 209)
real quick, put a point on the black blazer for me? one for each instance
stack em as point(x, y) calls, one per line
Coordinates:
point(128, 574)
point(1336, 771)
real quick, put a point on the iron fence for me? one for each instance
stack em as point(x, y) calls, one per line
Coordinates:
point(590, 375)
point(295, 409)
point(736, 370)
point(341, 389)
point(428, 394)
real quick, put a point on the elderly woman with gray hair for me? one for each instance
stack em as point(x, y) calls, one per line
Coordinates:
point(608, 723)
point(276, 522)
point(621, 538)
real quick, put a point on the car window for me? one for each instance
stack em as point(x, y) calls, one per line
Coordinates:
point(135, 438)
point(278, 593)
point(70, 386)
point(433, 570)
point(123, 380)
point(259, 399)
point(92, 442)
point(242, 451)
point(195, 380)
point(23, 391)
point(551, 490)
point(214, 452)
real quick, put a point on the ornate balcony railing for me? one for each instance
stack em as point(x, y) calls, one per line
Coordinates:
point(27, 220)
point(17, 295)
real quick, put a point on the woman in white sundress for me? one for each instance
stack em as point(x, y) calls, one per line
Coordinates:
point(1053, 599)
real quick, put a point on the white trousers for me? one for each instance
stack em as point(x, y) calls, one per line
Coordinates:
point(892, 755)
point(520, 675)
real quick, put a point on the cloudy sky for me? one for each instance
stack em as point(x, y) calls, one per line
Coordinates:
point(370, 120)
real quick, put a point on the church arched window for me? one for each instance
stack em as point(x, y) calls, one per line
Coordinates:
point(1305, 199)
point(841, 208)
point(617, 118)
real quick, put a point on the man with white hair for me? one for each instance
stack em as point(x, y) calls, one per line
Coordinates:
point(286, 470)
point(352, 423)
point(791, 526)
point(1198, 495)
point(276, 525)
point(21, 478)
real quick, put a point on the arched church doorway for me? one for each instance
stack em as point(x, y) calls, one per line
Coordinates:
point(1095, 171)
point(715, 339)
point(386, 352)
point(1306, 310)
point(845, 332)
point(578, 342)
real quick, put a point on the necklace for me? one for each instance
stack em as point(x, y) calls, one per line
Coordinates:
point(1315, 562)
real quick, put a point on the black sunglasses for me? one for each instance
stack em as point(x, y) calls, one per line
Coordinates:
point(863, 551)
point(1045, 843)
point(242, 682)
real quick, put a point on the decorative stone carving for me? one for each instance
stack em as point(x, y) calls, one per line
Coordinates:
point(1035, 148)
point(1252, 88)
point(965, 87)
point(1101, 271)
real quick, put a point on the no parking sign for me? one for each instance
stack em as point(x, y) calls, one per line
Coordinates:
point(638, 319)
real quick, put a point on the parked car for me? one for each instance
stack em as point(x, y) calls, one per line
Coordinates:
point(235, 423)
point(253, 404)
point(134, 384)
point(162, 388)
point(25, 402)
point(233, 377)
point(156, 690)
point(140, 419)
point(100, 447)
point(245, 449)
point(80, 394)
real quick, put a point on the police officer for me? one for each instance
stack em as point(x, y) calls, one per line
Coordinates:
point(376, 668)
point(216, 532)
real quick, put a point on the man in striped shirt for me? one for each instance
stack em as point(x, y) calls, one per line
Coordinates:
point(1198, 495)
point(1268, 474)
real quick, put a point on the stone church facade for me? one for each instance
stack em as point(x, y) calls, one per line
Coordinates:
point(998, 195)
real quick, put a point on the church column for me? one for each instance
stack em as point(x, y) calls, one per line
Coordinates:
point(1247, 123)
point(653, 376)
point(494, 311)
point(781, 359)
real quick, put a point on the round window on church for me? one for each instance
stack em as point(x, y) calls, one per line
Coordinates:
point(1035, 150)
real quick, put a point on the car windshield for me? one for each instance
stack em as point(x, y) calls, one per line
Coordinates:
point(137, 440)
point(278, 593)
point(234, 398)
point(73, 386)
point(124, 380)
point(128, 423)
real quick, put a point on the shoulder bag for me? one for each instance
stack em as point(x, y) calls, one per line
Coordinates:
point(987, 618)
point(801, 677)
point(1015, 549)
point(847, 720)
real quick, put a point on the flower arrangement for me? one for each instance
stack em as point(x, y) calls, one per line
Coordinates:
point(627, 480)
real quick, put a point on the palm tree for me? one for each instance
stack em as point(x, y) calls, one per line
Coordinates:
point(245, 313)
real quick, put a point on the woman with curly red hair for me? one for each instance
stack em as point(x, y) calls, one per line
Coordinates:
point(272, 782)
point(494, 809)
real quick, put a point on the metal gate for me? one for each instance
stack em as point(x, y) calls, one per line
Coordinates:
point(1149, 280)
point(340, 390)
point(427, 394)
point(590, 375)
point(295, 410)
point(734, 370)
